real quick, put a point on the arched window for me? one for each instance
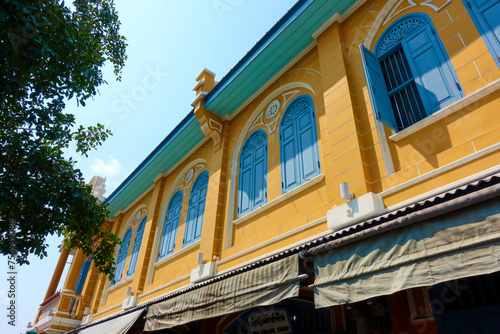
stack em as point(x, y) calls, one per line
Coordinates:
point(122, 256)
point(252, 186)
point(169, 233)
point(194, 221)
point(485, 14)
point(136, 248)
point(409, 76)
point(298, 144)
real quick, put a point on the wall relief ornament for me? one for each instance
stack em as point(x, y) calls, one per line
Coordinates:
point(398, 33)
point(403, 5)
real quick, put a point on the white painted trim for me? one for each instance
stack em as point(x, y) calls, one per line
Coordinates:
point(448, 187)
point(104, 311)
point(121, 283)
point(378, 22)
point(335, 18)
point(237, 149)
point(177, 254)
point(280, 199)
point(384, 147)
point(166, 285)
point(159, 231)
point(198, 98)
point(448, 110)
point(271, 81)
point(198, 84)
point(204, 70)
point(441, 169)
point(273, 240)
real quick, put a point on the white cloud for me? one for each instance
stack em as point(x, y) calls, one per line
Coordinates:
point(108, 169)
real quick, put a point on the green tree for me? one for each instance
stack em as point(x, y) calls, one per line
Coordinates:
point(51, 54)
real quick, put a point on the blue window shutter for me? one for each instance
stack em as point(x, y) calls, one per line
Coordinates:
point(122, 256)
point(252, 182)
point(260, 185)
point(299, 152)
point(486, 14)
point(289, 161)
point(169, 233)
point(82, 277)
point(377, 89)
point(245, 184)
point(194, 221)
point(136, 248)
point(309, 153)
point(435, 81)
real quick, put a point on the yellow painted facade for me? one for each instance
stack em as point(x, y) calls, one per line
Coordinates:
point(460, 141)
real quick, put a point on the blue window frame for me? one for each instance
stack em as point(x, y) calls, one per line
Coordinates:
point(409, 76)
point(82, 277)
point(486, 16)
point(169, 233)
point(196, 209)
point(298, 144)
point(136, 248)
point(122, 256)
point(252, 185)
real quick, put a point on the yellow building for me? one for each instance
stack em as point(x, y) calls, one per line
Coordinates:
point(343, 177)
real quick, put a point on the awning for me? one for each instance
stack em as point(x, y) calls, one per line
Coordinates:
point(454, 245)
point(265, 285)
point(118, 325)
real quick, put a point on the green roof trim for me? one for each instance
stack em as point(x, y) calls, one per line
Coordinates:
point(290, 36)
point(171, 150)
point(280, 45)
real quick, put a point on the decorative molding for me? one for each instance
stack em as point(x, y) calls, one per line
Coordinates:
point(399, 32)
point(189, 175)
point(389, 11)
point(287, 97)
point(255, 140)
point(257, 122)
point(297, 108)
point(185, 181)
point(210, 127)
point(239, 144)
point(273, 109)
point(410, 4)
point(197, 165)
point(272, 126)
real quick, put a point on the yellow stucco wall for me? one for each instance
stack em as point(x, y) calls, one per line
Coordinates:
point(350, 145)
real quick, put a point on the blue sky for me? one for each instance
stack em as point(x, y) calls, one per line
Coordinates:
point(169, 43)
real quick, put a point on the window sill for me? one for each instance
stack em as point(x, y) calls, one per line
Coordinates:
point(280, 199)
point(177, 254)
point(446, 111)
point(124, 282)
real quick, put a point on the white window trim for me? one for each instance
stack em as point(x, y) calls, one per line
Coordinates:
point(279, 199)
point(446, 111)
point(121, 283)
point(177, 254)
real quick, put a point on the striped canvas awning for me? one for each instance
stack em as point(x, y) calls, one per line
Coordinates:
point(265, 285)
point(460, 243)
